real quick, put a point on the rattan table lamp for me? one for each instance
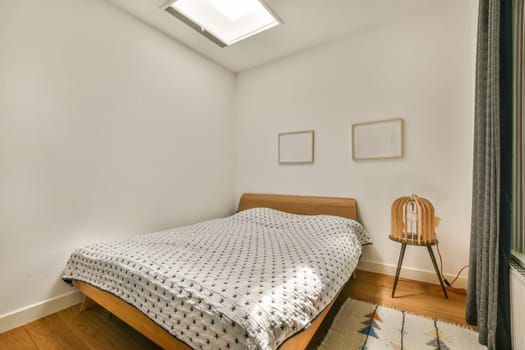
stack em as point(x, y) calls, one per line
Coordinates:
point(413, 222)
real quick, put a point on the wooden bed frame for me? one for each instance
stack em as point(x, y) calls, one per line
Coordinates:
point(306, 205)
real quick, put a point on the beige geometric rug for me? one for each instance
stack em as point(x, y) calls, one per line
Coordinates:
point(363, 326)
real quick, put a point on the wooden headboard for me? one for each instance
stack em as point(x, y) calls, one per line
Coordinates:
point(305, 205)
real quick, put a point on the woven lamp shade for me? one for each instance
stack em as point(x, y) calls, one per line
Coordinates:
point(413, 221)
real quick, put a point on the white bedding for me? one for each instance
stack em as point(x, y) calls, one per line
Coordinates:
point(249, 281)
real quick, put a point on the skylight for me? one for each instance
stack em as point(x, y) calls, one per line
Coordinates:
point(225, 22)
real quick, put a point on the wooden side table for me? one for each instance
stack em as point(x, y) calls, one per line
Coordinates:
point(432, 257)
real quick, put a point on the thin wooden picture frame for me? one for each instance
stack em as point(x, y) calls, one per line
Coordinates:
point(296, 147)
point(379, 139)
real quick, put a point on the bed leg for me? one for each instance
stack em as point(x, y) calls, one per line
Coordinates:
point(86, 304)
point(354, 275)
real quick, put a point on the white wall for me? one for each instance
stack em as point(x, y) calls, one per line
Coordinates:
point(419, 67)
point(107, 129)
point(110, 129)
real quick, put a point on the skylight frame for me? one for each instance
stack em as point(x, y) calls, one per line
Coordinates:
point(208, 34)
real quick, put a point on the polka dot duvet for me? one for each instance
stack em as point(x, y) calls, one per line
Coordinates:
point(249, 281)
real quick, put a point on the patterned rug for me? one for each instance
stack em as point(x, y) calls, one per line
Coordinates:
point(363, 326)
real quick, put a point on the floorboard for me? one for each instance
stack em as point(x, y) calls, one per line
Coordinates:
point(18, 339)
point(420, 298)
point(99, 330)
point(94, 329)
point(52, 332)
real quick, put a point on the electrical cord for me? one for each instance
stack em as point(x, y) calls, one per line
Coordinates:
point(449, 284)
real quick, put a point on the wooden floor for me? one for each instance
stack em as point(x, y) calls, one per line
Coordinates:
point(420, 298)
point(96, 330)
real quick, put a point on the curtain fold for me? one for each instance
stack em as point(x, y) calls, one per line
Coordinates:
point(518, 237)
point(482, 292)
point(503, 329)
point(488, 290)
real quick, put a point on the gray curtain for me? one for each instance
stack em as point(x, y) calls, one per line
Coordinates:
point(518, 236)
point(482, 296)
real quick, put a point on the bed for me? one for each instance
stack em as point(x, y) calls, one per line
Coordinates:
point(264, 278)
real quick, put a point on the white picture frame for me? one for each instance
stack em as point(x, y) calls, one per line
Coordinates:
point(381, 139)
point(296, 147)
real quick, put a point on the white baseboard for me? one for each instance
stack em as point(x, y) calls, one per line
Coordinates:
point(33, 312)
point(409, 272)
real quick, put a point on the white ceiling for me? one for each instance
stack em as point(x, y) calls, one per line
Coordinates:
point(307, 23)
